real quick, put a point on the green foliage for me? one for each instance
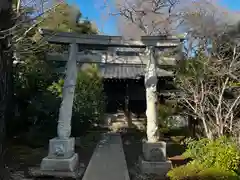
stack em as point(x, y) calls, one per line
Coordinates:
point(89, 102)
point(184, 172)
point(33, 74)
point(66, 18)
point(196, 172)
point(217, 174)
point(193, 70)
point(195, 149)
point(89, 97)
point(222, 153)
point(211, 160)
point(56, 88)
point(36, 106)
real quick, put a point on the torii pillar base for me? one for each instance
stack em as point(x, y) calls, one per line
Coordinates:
point(154, 160)
point(61, 161)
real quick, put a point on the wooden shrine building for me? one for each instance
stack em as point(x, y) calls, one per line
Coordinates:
point(124, 84)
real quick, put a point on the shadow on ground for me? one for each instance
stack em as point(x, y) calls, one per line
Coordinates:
point(132, 144)
point(19, 157)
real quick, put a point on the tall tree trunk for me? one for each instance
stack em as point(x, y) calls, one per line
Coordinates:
point(6, 22)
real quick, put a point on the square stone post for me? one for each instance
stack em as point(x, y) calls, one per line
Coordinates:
point(154, 160)
point(61, 155)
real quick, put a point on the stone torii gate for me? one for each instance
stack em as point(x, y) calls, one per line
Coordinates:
point(62, 156)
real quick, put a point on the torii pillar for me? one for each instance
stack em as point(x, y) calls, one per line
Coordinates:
point(154, 159)
point(62, 161)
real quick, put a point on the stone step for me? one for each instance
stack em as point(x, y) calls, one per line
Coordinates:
point(108, 160)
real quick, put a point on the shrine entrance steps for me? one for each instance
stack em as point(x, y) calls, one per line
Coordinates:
point(108, 160)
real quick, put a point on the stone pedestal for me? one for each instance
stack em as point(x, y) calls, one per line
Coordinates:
point(65, 165)
point(61, 156)
point(61, 161)
point(61, 148)
point(154, 151)
point(154, 160)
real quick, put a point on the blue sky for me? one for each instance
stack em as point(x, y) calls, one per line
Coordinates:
point(92, 12)
point(232, 4)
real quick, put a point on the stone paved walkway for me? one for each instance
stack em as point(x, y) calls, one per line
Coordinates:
point(108, 160)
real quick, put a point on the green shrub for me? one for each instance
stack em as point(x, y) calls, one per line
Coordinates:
point(35, 108)
point(89, 100)
point(197, 172)
point(217, 174)
point(222, 153)
point(185, 172)
point(196, 149)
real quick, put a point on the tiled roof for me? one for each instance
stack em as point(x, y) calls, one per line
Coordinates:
point(128, 71)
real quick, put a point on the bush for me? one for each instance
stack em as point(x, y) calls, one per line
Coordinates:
point(38, 100)
point(222, 153)
point(217, 174)
point(183, 172)
point(35, 109)
point(89, 100)
point(197, 172)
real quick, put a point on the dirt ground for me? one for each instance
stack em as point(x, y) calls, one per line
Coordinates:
point(19, 158)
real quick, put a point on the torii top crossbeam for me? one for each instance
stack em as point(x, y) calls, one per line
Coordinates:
point(109, 41)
